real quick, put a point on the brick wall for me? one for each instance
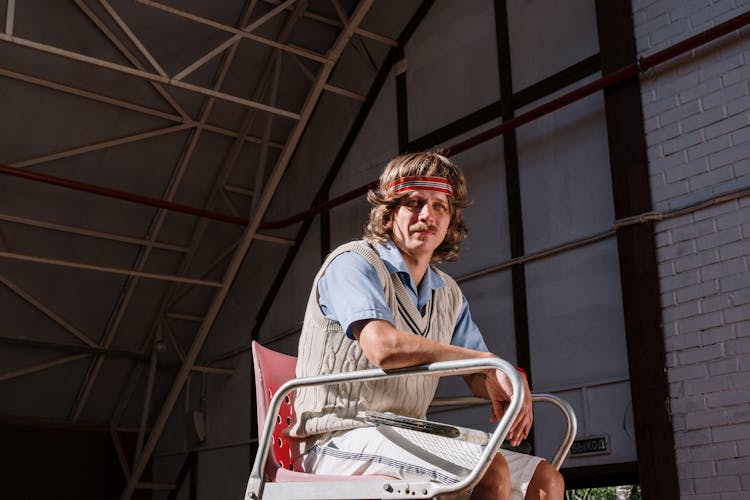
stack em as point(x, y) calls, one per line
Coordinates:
point(697, 121)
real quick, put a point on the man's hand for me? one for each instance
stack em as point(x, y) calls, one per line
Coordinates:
point(500, 391)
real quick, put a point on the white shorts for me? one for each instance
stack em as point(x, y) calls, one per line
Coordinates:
point(409, 455)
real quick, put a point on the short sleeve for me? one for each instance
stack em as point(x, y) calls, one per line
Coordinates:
point(467, 334)
point(351, 291)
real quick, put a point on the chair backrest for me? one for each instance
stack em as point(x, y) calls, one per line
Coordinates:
point(272, 369)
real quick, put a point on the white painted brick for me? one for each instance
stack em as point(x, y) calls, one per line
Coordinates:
point(667, 87)
point(729, 155)
point(676, 250)
point(640, 5)
point(743, 447)
point(682, 373)
point(682, 341)
point(723, 366)
point(699, 323)
point(736, 75)
point(662, 164)
point(744, 364)
point(741, 135)
point(743, 329)
point(730, 432)
point(651, 25)
point(697, 469)
point(681, 311)
point(708, 148)
point(717, 484)
point(658, 8)
point(737, 313)
point(670, 359)
point(686, 487)
point(740, 105)
point(686, 263)
point(738, 346)
point(680, 280)
point(718, 239)
point(700, 354)
point(692, 231)
point(721, 97)
point(722, 269)
point(665, 268)
point(680, 112)
point(733, 466)
point(695, 292)
point(668, 132)
point(675, 390)
point(720, 67)
point(737, 495)
point(662, 240)
point(698, 91)
point(734, 218)
point(735, 281)
point(716, 335)
point(742, 168)
point(715, 303)
point(660, 106)
point(705, 386)
point(682, 455)
point(716, 210)
point(673, 31)
point(740, 297)
point(705, 419)
point(701, 120)
point(729, 398)
point(739, 381)
point(692, 438)
point(727, 125)
point(668, 299)
point(713, 451)
point(736, 249)
point(738, 415)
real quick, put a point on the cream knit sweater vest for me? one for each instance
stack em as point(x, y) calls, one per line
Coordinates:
point(324, 348)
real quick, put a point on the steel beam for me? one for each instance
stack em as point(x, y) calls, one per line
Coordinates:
point(11, 374)
point(64, 324)
point(52, 226)
point(244, 245)
point(145, 75)
point(108, 269)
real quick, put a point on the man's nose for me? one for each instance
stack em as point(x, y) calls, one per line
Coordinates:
point(425, 212)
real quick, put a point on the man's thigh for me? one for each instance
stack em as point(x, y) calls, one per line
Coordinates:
point(408, 455)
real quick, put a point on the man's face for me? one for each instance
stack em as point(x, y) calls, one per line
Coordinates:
point(420, 222)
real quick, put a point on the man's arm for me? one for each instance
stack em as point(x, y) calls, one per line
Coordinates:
point(389, 348)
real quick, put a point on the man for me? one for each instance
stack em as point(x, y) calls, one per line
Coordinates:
point(379, 302)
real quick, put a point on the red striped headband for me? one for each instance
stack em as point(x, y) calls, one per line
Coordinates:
point(419, 183)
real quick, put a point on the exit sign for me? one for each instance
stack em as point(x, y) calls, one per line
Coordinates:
point(590, 446)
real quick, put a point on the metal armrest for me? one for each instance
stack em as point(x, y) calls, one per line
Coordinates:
point(561, 404)
point(386, 489)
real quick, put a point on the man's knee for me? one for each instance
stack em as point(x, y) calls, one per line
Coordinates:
point(496, 481)
point(546, 483)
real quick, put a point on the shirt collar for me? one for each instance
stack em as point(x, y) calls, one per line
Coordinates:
point(394, 262)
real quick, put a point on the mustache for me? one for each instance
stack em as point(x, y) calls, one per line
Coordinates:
point(421, 226)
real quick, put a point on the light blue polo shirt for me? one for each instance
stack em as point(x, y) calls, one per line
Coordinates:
point(350, 291)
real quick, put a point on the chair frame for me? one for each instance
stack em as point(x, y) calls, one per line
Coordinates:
point(258, 487)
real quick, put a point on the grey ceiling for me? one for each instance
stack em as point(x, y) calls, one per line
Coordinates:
point(197, 103)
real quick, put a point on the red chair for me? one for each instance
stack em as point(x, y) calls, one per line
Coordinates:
point(273, 477)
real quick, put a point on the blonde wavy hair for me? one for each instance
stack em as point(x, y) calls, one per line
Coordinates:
point(384, 203)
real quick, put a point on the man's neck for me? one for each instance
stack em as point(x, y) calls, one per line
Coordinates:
point(417, 266)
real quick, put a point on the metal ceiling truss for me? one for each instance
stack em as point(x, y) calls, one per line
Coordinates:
point(228, 262)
